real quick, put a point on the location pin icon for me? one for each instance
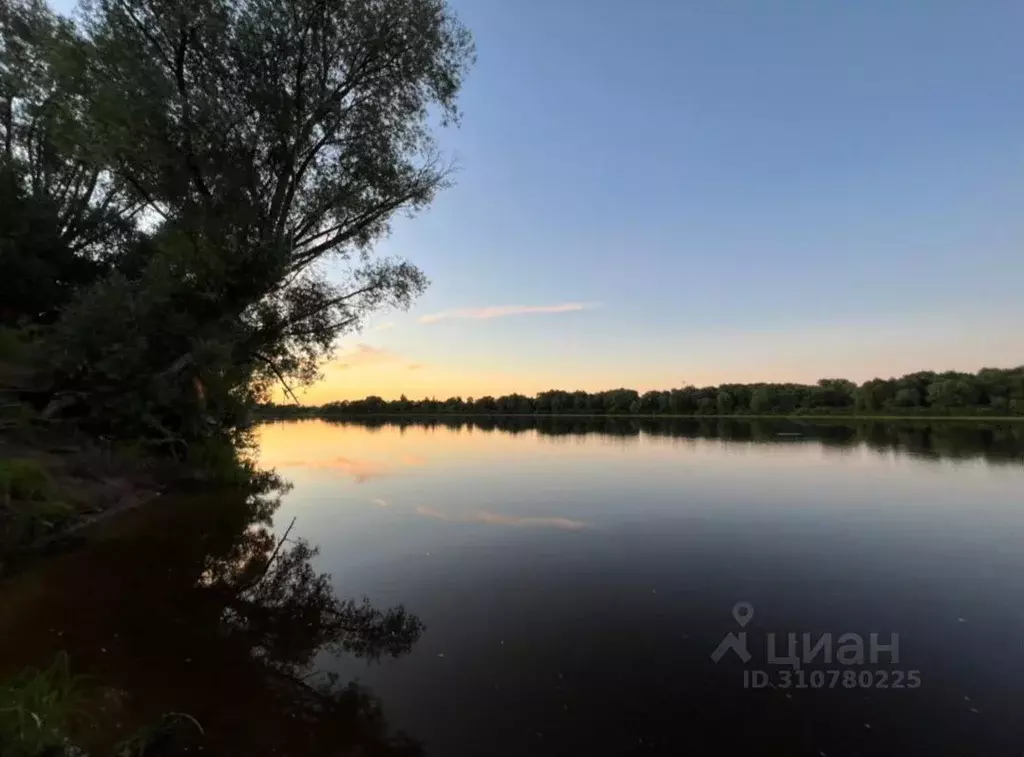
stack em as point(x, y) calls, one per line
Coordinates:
point(743, 613)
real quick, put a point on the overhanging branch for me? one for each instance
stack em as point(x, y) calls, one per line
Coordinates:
point(280, 377)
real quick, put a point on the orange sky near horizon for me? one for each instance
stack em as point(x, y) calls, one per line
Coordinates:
point(418, 367)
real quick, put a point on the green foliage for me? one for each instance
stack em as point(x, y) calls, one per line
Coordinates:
point(24, 479)
point(176, 174)
point(37, 708)
point(64, 214)
point(28, 505)
point(906, 397)
point(224, 462)
point(991, 391)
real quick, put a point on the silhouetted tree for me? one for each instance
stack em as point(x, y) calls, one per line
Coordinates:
point(175, 173)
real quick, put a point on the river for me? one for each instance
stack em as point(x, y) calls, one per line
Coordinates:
point(565, 587)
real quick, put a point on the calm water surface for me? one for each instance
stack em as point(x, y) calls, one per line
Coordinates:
point(564, 589)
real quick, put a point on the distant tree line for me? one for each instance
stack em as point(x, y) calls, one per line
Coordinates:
point(990, 391)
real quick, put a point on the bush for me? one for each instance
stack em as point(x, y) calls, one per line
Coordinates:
point(24, 479)
point(28, 501)
point(36, 708)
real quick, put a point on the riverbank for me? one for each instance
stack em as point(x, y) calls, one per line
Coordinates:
point(54, 482)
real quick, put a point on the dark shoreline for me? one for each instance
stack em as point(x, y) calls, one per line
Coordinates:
point(979, 418)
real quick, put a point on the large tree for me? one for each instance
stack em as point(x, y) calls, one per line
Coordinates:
point(261, 138)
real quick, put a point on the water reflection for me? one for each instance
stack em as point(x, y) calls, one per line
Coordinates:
point(360, 470)
point(1001, 442)
point(482, 516)
point(575, 574)
point(198, 607)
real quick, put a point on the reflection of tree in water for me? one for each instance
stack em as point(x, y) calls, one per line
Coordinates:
point(287, 613)
point(199, 607)
point(994, 442)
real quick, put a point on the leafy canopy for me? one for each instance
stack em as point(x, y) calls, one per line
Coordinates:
point(193, 166)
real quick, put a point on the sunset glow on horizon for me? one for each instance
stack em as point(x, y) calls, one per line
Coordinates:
point(416, 366)
point(750, 192)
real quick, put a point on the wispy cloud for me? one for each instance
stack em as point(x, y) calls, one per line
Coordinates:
point(500, 311)
point(379, 502)
point(362, 354)
point(482, 516)
point(415, 366)
point(384, 326)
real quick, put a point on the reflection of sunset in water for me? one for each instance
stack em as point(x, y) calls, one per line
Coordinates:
point(482, 516)
point(315, 441)
point(393, 469)
point(309, 444)
point(453, 478)
point(360, 470)
point(363, 452)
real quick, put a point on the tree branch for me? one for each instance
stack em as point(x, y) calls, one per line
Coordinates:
point(349, 229)
point(330, 327)
point(179, 75)
point(147, 198)
point(280, 377)
point(126, 8)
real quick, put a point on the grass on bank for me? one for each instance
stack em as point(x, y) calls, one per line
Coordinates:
point(55, 478)
point(30, 506)
point(39, 708)
point(36, 709)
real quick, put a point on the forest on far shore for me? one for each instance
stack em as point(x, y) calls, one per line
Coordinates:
point(991, 392)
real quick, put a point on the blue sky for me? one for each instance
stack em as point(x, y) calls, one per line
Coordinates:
point(748, 190)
